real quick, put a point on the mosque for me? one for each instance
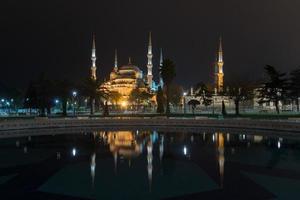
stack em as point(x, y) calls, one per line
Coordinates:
point(123, 79)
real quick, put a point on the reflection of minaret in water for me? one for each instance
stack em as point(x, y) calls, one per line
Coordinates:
point(221, 157)
point(93, 168)
point(116, 161)
point(161, 148)
point(149, 162)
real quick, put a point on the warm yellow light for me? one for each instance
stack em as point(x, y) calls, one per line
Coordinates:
point(124, 104)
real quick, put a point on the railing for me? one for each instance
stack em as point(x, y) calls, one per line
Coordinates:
point(281, 125)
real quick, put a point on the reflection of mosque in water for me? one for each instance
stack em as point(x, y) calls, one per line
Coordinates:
point(130, 144)
point(126, 145)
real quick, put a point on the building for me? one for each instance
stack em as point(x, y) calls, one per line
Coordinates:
point(125, 78)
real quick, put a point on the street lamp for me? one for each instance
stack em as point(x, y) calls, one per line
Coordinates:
point(184, 107)
point(74, 93)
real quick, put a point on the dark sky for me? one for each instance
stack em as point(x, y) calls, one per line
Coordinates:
point(55, 36)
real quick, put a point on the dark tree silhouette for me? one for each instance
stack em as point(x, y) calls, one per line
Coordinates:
point(91, 89)
point(168, 74)
point(30, 99)
point(194, 104)
point(294, 86)
point(202, 91)
point(274, 89)
point(62, 90)
point(223, 108)
point(239, 92)
point(160, 100)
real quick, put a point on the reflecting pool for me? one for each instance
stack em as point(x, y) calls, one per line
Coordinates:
point(144, 164)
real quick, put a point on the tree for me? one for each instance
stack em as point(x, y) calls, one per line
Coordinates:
point(194, 104)
point(139, 96)
point(160, 100)
point(223, 108)
point(175, 92)
point(45, 94)
point(239, 92)
point(62, 90)
point(204, 93)
point(168, 74)
point(91, 89)
point(294, 86)
point(31, 101)
point(114, 97)
point(274, 89)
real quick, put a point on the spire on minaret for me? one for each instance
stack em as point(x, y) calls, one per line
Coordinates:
point(116, 61)
point(149, 64)
point(220, 52)
point(161, 60)
point(129, 61)
point(93, 58)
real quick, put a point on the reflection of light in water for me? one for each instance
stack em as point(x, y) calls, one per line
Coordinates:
point(192, 138)
point(258, 139)
point(228, 137)
point(93, 167)
point(278, 144)
point(25, 149)
point(213, 137)
point(74, 152)
point(203, 136)
point(149, 163)
point(221, 157)
point(161, 148)
point(116, 161)
point(184, 150)
point(244, 137)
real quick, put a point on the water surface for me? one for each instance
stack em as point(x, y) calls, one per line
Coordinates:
point(140, 164)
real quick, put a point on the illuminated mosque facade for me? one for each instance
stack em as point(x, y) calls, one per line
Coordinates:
point(123, 79)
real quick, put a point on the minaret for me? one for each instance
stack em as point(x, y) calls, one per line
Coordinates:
point(116, 61)
point(219, 75)
point(161, 60)
point(150, 65)
point(93, 58)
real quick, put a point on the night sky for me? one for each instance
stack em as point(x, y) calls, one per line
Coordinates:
point(55, 37)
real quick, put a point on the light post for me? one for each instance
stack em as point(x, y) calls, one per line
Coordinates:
point(74, 93)
point(184, 107)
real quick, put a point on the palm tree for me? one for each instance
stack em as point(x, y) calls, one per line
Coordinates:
point(168, 74)
point(91, 89)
